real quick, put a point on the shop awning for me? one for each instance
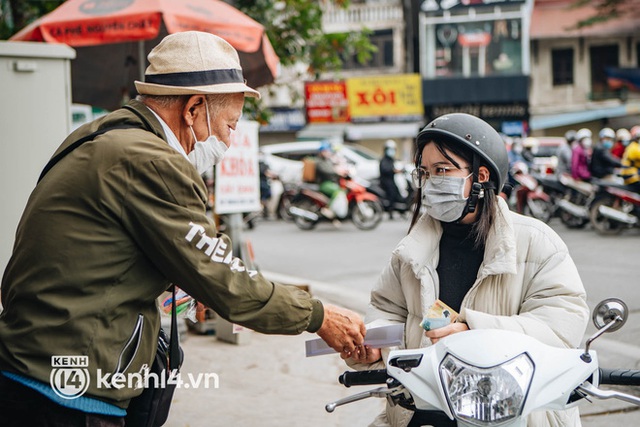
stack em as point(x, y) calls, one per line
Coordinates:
point(359, 131)
point(546, 121)
point(557, 19)
point(328, 131)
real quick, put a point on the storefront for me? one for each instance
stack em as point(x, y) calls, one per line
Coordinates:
point(475, 58)
point(366, 110)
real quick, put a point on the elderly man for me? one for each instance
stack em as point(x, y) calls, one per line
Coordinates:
point(115, 222)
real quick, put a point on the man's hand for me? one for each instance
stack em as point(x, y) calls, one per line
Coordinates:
point(342, 329)
point(436, 334)
point(363, 354)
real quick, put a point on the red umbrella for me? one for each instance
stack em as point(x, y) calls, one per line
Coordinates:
point(110, 37)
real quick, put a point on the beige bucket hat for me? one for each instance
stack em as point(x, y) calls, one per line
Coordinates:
point(193, 62)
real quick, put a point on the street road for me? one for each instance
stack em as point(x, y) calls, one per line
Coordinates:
point(349, 260)
point(352, 259)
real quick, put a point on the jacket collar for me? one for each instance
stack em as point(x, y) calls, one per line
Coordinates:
point(146, 117)
point(420, 247)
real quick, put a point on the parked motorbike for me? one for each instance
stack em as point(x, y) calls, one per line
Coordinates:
point(289, 191)
point(530, 197)
point(614, 209)
point(574, 206)
point(511, 377)
point(407, 194)
point(552, 187)
point(309, 206)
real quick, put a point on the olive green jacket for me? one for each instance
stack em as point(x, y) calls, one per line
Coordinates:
point(106, 231)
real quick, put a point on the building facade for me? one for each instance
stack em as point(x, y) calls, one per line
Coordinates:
point(573, 70)
point(474, 58)
point(521, 65)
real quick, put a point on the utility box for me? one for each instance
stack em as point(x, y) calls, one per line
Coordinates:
point(35, 117)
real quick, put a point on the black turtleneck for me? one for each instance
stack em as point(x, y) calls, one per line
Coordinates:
point(459, 263)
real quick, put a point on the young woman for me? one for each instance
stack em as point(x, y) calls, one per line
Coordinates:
point(464, 247)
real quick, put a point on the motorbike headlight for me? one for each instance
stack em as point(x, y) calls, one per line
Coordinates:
point(486, 396)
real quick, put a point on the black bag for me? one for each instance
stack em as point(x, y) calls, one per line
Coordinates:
point(151, 408)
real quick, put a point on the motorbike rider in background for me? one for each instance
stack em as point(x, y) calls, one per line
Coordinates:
point(603, 164)
point(266, 175)
point(498, 269)
point(580, 156)
point(565, 153)
point(623, 137)
point(328, 177)
point(631, 161)
point(387, 175)
point(529, 149)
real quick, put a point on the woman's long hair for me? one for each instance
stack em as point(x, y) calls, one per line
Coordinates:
point(487, 206)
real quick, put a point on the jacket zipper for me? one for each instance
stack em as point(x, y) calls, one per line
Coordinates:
point(136, 336)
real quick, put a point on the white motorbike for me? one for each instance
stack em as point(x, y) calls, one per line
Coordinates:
point(496, 377)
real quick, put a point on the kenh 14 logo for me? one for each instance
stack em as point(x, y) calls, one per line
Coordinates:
point(69, 376)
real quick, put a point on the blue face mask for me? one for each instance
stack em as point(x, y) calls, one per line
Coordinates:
point(607, 143)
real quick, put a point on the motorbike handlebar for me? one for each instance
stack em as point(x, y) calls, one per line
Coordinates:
point(620, 376)
point(377, 376)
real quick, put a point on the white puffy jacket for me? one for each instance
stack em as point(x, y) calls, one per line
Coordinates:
point(527, 282)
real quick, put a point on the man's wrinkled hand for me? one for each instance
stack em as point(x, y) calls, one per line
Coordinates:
point(343, 330)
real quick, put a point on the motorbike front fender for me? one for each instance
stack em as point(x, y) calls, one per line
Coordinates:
point(538, 194)
point(360, 197)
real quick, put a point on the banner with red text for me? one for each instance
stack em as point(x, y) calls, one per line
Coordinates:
point(326, 102)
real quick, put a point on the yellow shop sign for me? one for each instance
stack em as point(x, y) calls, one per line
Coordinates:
point(385, 96)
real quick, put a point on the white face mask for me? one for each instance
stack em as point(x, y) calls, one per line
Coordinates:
point(207, 153)
point(445, 201)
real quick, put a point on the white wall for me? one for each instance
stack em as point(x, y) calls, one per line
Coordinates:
point(35, 100)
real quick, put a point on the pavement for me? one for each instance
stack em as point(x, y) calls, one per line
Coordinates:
point(266, 380)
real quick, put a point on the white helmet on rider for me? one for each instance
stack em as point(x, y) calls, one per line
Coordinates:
point(607, 133)
point(390, 148)
point(623, 136)
point(583, 133)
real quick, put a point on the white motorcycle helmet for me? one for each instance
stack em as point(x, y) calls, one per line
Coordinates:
point(583, 136)
point(390, 148)
point(623, 136)
point(583, 133)
point(607, 133)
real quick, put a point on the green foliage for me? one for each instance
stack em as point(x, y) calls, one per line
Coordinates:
point(294, 28)
point(254, 109)
point(605, 10)
point(16, 14)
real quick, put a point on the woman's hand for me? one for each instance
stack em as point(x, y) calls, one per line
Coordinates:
point(436, 334)
point(363, 354)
